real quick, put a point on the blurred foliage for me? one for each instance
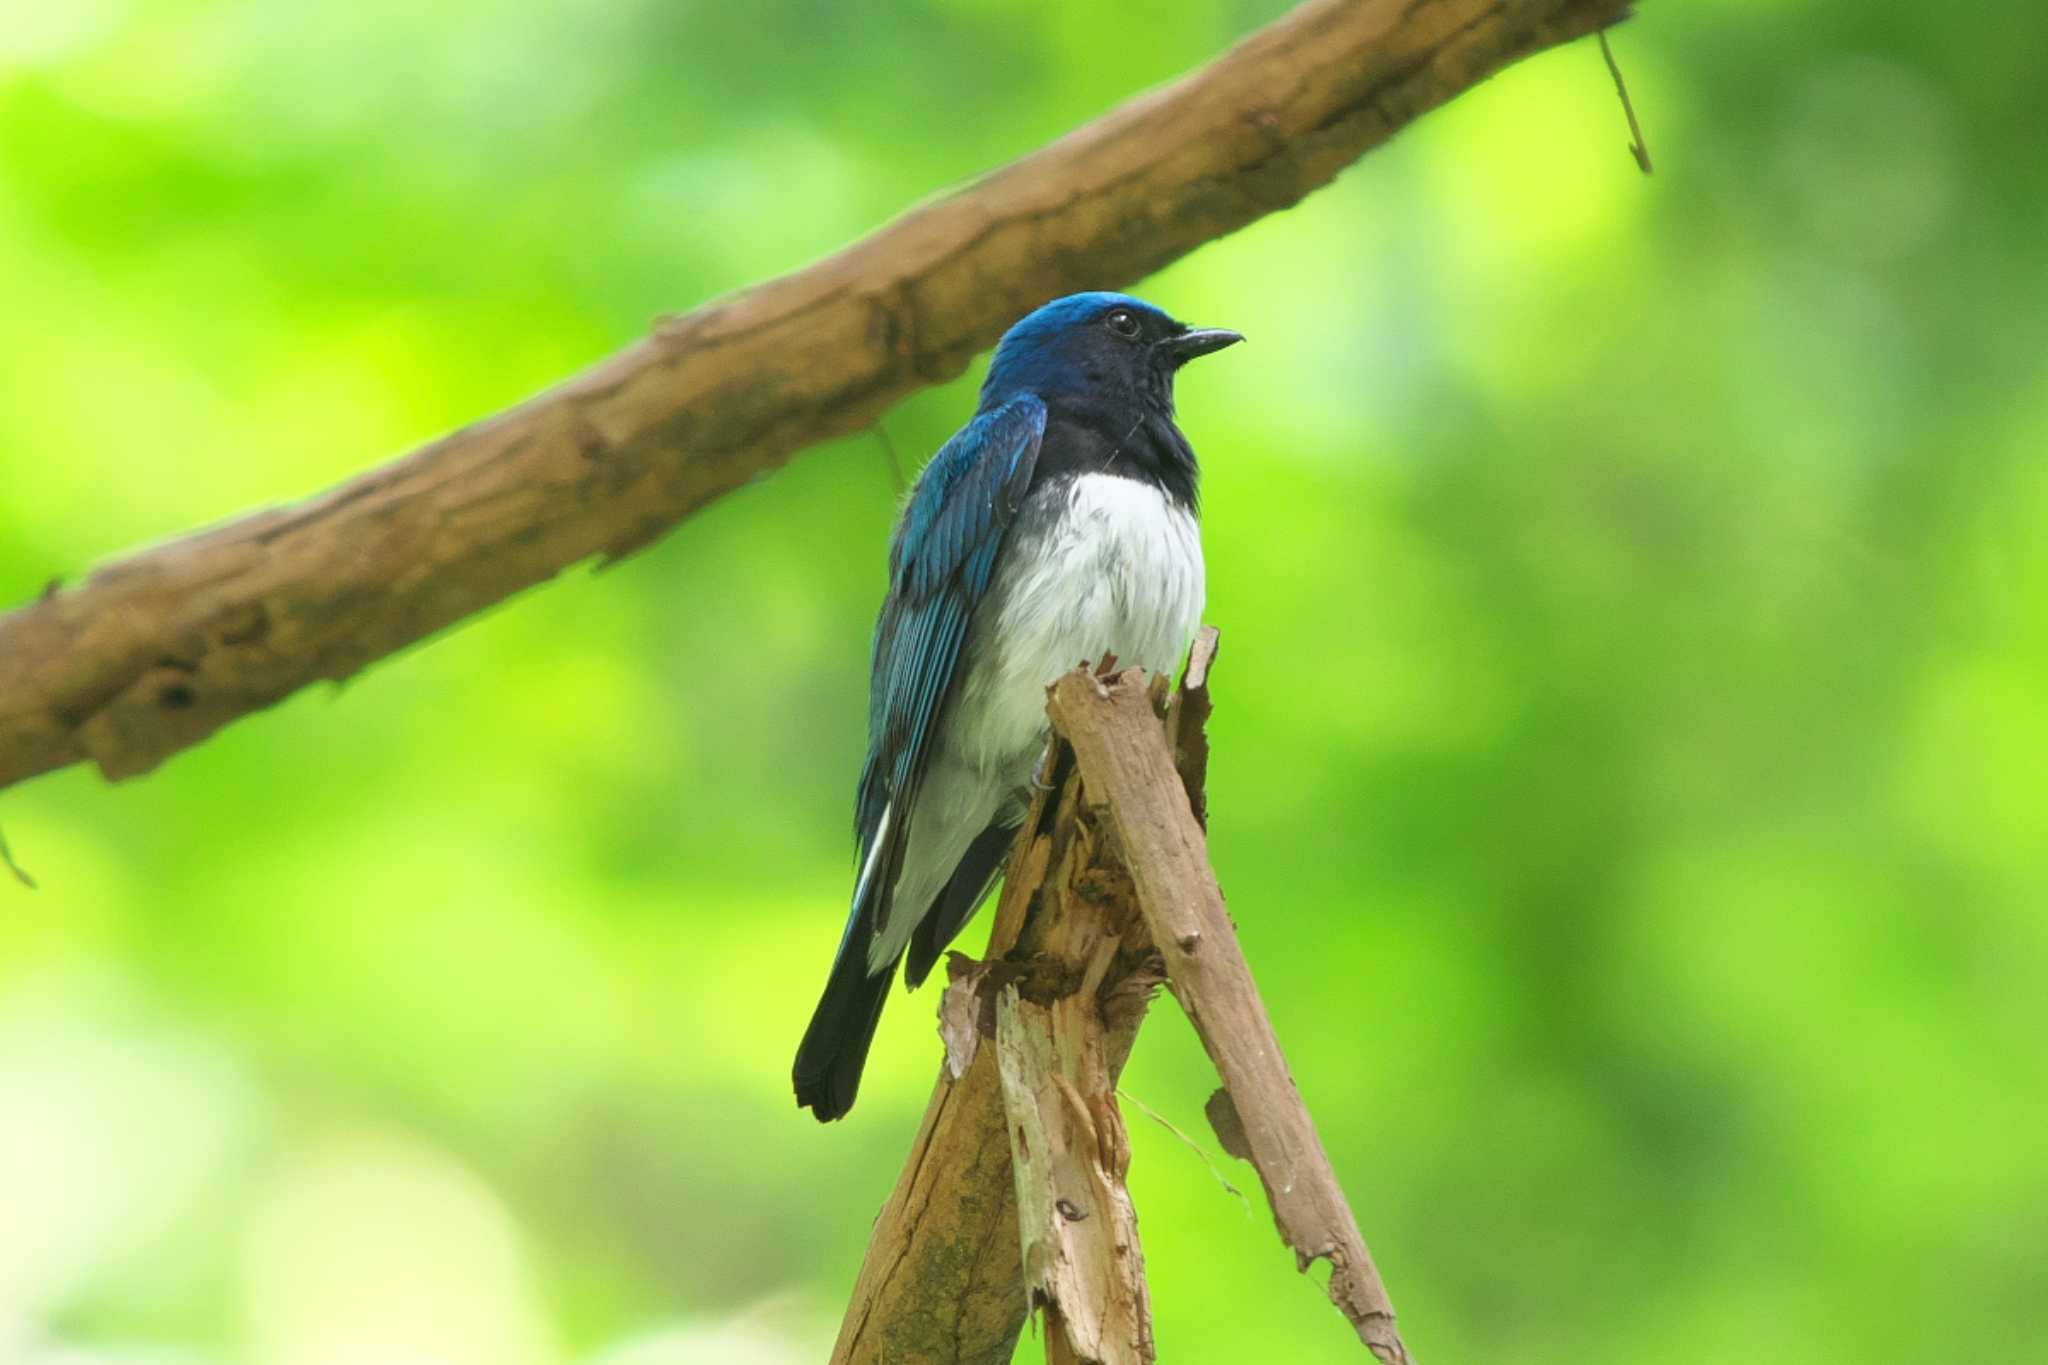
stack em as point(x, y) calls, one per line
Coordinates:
point(1631, 756)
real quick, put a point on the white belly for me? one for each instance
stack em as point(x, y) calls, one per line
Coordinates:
point(1118, 571)
point(1100, 566)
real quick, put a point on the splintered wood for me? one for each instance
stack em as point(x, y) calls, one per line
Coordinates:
point(1126, 766)
point(1070, 1154)
point(1014, 1197)
point(944, 1280)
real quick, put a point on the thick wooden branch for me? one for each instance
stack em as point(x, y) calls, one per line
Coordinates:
point(1128, 767)
point(157, 651)
point(943, 1282)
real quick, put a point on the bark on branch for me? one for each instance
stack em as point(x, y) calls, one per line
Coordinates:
point(157, 651)
point(1259, 1115)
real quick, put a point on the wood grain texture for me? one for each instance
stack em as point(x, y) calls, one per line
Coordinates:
point(1082, 1262)
point(1127, 765)
point(155, 652)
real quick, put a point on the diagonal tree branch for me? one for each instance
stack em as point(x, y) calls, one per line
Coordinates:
point(157, 651)
point(1126, 764)
point(1108, 888)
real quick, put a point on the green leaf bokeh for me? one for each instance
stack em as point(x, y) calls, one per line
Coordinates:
point(1631, 751)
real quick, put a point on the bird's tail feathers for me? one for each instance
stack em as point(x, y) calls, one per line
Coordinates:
point(835, 1047)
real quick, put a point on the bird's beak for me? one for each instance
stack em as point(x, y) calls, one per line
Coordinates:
point(1197, 341)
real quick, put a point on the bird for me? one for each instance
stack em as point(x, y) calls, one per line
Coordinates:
point(1059, 526)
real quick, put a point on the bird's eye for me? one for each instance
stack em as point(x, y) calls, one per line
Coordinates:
point(1123, 322)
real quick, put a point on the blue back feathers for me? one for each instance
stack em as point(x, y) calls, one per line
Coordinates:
point(939, 570)
point(945, 551)
point(1075, 366)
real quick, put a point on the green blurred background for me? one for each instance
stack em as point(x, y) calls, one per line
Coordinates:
point(1632, 746)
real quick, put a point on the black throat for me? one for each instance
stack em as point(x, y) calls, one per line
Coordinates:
point(1133, 442)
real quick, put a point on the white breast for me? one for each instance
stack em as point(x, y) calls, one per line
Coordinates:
point(1117, 570)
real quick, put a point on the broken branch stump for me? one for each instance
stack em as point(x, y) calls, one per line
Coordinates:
point(1125, 765)
point(1112, 861)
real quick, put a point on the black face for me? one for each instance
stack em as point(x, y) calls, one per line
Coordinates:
point(1103, 365)
point(1100, 359)
point(1136, 351)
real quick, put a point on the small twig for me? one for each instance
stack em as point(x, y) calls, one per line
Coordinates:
point(897, 478)
point(7, 861)
point(1637, 147)
point(1197, 1148)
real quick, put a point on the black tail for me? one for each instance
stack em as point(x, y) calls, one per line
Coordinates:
point(835, 1046)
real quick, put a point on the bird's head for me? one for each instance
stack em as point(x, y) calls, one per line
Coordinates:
point(1097, 348)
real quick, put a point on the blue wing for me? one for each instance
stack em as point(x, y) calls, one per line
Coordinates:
point(940, 565)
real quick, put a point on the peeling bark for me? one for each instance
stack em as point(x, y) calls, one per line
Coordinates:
point(1127, 765)
point(1068, 1149)
point(943, 1280)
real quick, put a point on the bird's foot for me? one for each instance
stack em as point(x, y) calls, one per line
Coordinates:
point(1041, 771)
